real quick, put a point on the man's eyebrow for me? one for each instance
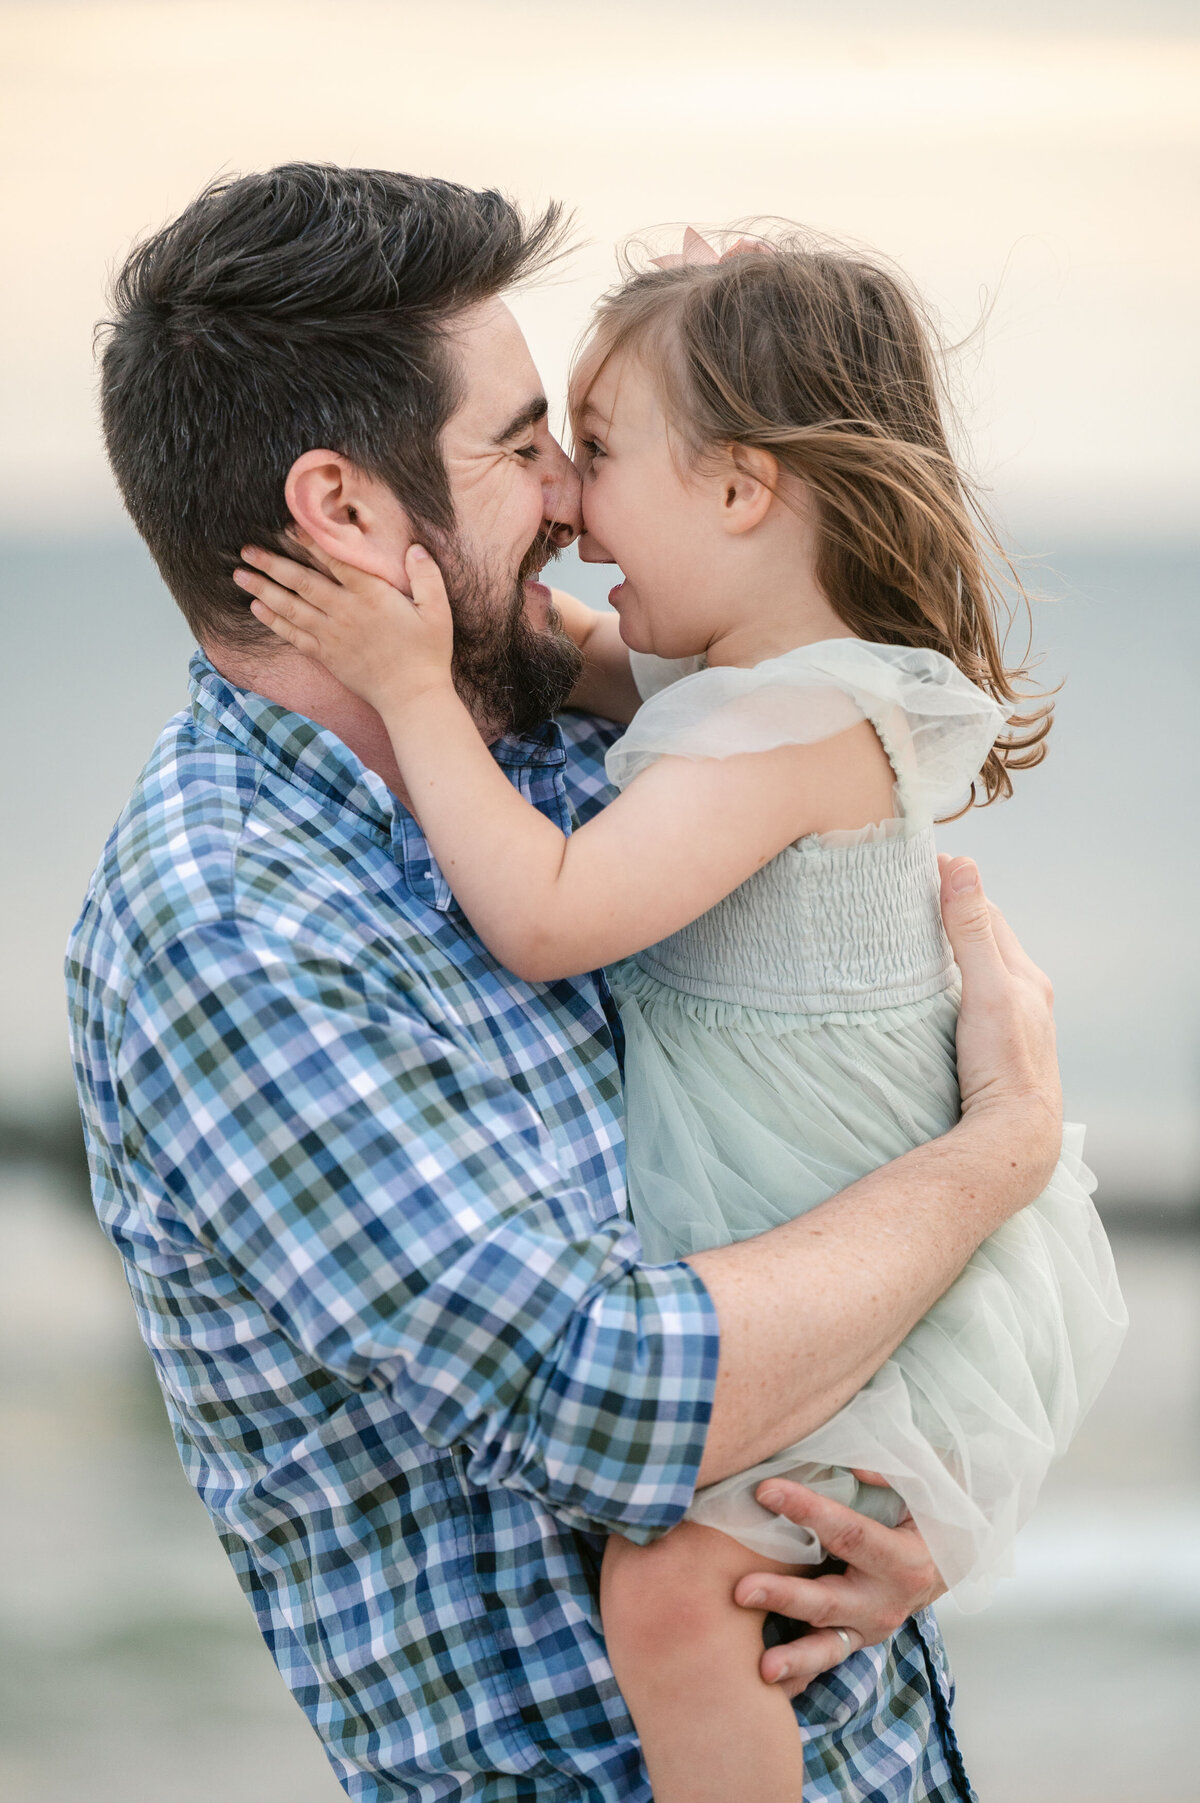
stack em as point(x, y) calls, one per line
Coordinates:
point(529, 415)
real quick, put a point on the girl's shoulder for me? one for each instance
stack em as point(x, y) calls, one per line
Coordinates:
point(936, 726)
point(918, 681)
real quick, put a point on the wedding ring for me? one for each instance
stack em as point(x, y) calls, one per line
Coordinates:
point(845, 1639)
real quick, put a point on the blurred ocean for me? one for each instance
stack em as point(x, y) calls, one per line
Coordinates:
point(130, 1669)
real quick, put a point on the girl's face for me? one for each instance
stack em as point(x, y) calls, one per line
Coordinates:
point(649, 512)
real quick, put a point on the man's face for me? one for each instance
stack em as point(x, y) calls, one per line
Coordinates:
point(516, 504)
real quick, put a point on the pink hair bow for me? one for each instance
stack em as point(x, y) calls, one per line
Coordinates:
point(698, 250)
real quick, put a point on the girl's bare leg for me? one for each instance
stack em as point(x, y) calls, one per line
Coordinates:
point(686, 1658)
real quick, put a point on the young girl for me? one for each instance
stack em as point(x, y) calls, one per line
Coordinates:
point(806, 614)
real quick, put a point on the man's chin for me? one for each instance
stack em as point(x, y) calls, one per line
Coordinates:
point(514, 666)
point(545, 681)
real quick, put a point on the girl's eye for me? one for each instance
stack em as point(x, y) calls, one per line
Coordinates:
point(591, 449)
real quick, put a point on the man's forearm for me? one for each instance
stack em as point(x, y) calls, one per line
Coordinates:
point(810, 1311)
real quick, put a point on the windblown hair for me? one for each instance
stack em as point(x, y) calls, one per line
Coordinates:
point(304, 308)
point(827, 361)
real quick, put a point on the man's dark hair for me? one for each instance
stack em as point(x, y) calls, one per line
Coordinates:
point(298, 309)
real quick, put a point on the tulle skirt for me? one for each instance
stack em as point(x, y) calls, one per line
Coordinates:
point(740, 1118)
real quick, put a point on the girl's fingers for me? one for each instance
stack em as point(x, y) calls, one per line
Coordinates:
point(295, 635)
point(428, 587)
point(349, 576)
point(280, 600)
point(311, 585)
point(328, 588)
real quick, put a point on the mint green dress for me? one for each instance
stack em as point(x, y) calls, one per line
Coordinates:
point(802, 1033)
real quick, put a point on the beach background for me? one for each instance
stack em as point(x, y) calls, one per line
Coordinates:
point(1034, 164)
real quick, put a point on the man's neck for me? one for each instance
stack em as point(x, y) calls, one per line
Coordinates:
point(303, 687)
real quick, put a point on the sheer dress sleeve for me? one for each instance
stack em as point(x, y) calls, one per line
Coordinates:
point(936, 726)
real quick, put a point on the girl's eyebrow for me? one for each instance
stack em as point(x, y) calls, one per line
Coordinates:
point(589, 410)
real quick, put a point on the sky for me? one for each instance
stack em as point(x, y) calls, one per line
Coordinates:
point(1037, 163)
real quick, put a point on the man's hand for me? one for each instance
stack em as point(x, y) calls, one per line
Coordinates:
point(888, 1577)
point(1007, 1064)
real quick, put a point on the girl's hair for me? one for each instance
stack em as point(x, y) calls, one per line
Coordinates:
point(827, 361)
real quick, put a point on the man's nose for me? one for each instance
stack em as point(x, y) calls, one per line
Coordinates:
point(562, 519)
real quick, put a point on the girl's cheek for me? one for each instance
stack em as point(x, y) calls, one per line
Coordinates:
point(599, 516)
point(627, 510)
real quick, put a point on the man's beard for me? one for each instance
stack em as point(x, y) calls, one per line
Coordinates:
point(511, 674)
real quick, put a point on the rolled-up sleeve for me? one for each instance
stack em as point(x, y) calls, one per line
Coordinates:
point(397, 1210)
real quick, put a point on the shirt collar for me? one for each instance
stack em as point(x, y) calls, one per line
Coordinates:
point(311, 757)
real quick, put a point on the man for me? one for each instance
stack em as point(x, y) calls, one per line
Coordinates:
point(366, 1184)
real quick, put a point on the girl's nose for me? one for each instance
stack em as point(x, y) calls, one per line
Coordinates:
point(591, 550)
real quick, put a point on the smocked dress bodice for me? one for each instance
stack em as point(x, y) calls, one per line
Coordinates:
point(819, 930)
point(840, 923)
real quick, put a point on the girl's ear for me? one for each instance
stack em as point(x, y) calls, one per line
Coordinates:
point(748, 487)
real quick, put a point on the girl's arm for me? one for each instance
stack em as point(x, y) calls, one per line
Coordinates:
point(547, 904)
point(606, 686)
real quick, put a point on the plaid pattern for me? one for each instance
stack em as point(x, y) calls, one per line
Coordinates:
point(368, 1191)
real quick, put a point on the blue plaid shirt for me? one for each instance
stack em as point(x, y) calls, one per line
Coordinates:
point(368, 1192)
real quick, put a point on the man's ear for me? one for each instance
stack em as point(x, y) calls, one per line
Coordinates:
point(351, 516)
point(748, 486)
